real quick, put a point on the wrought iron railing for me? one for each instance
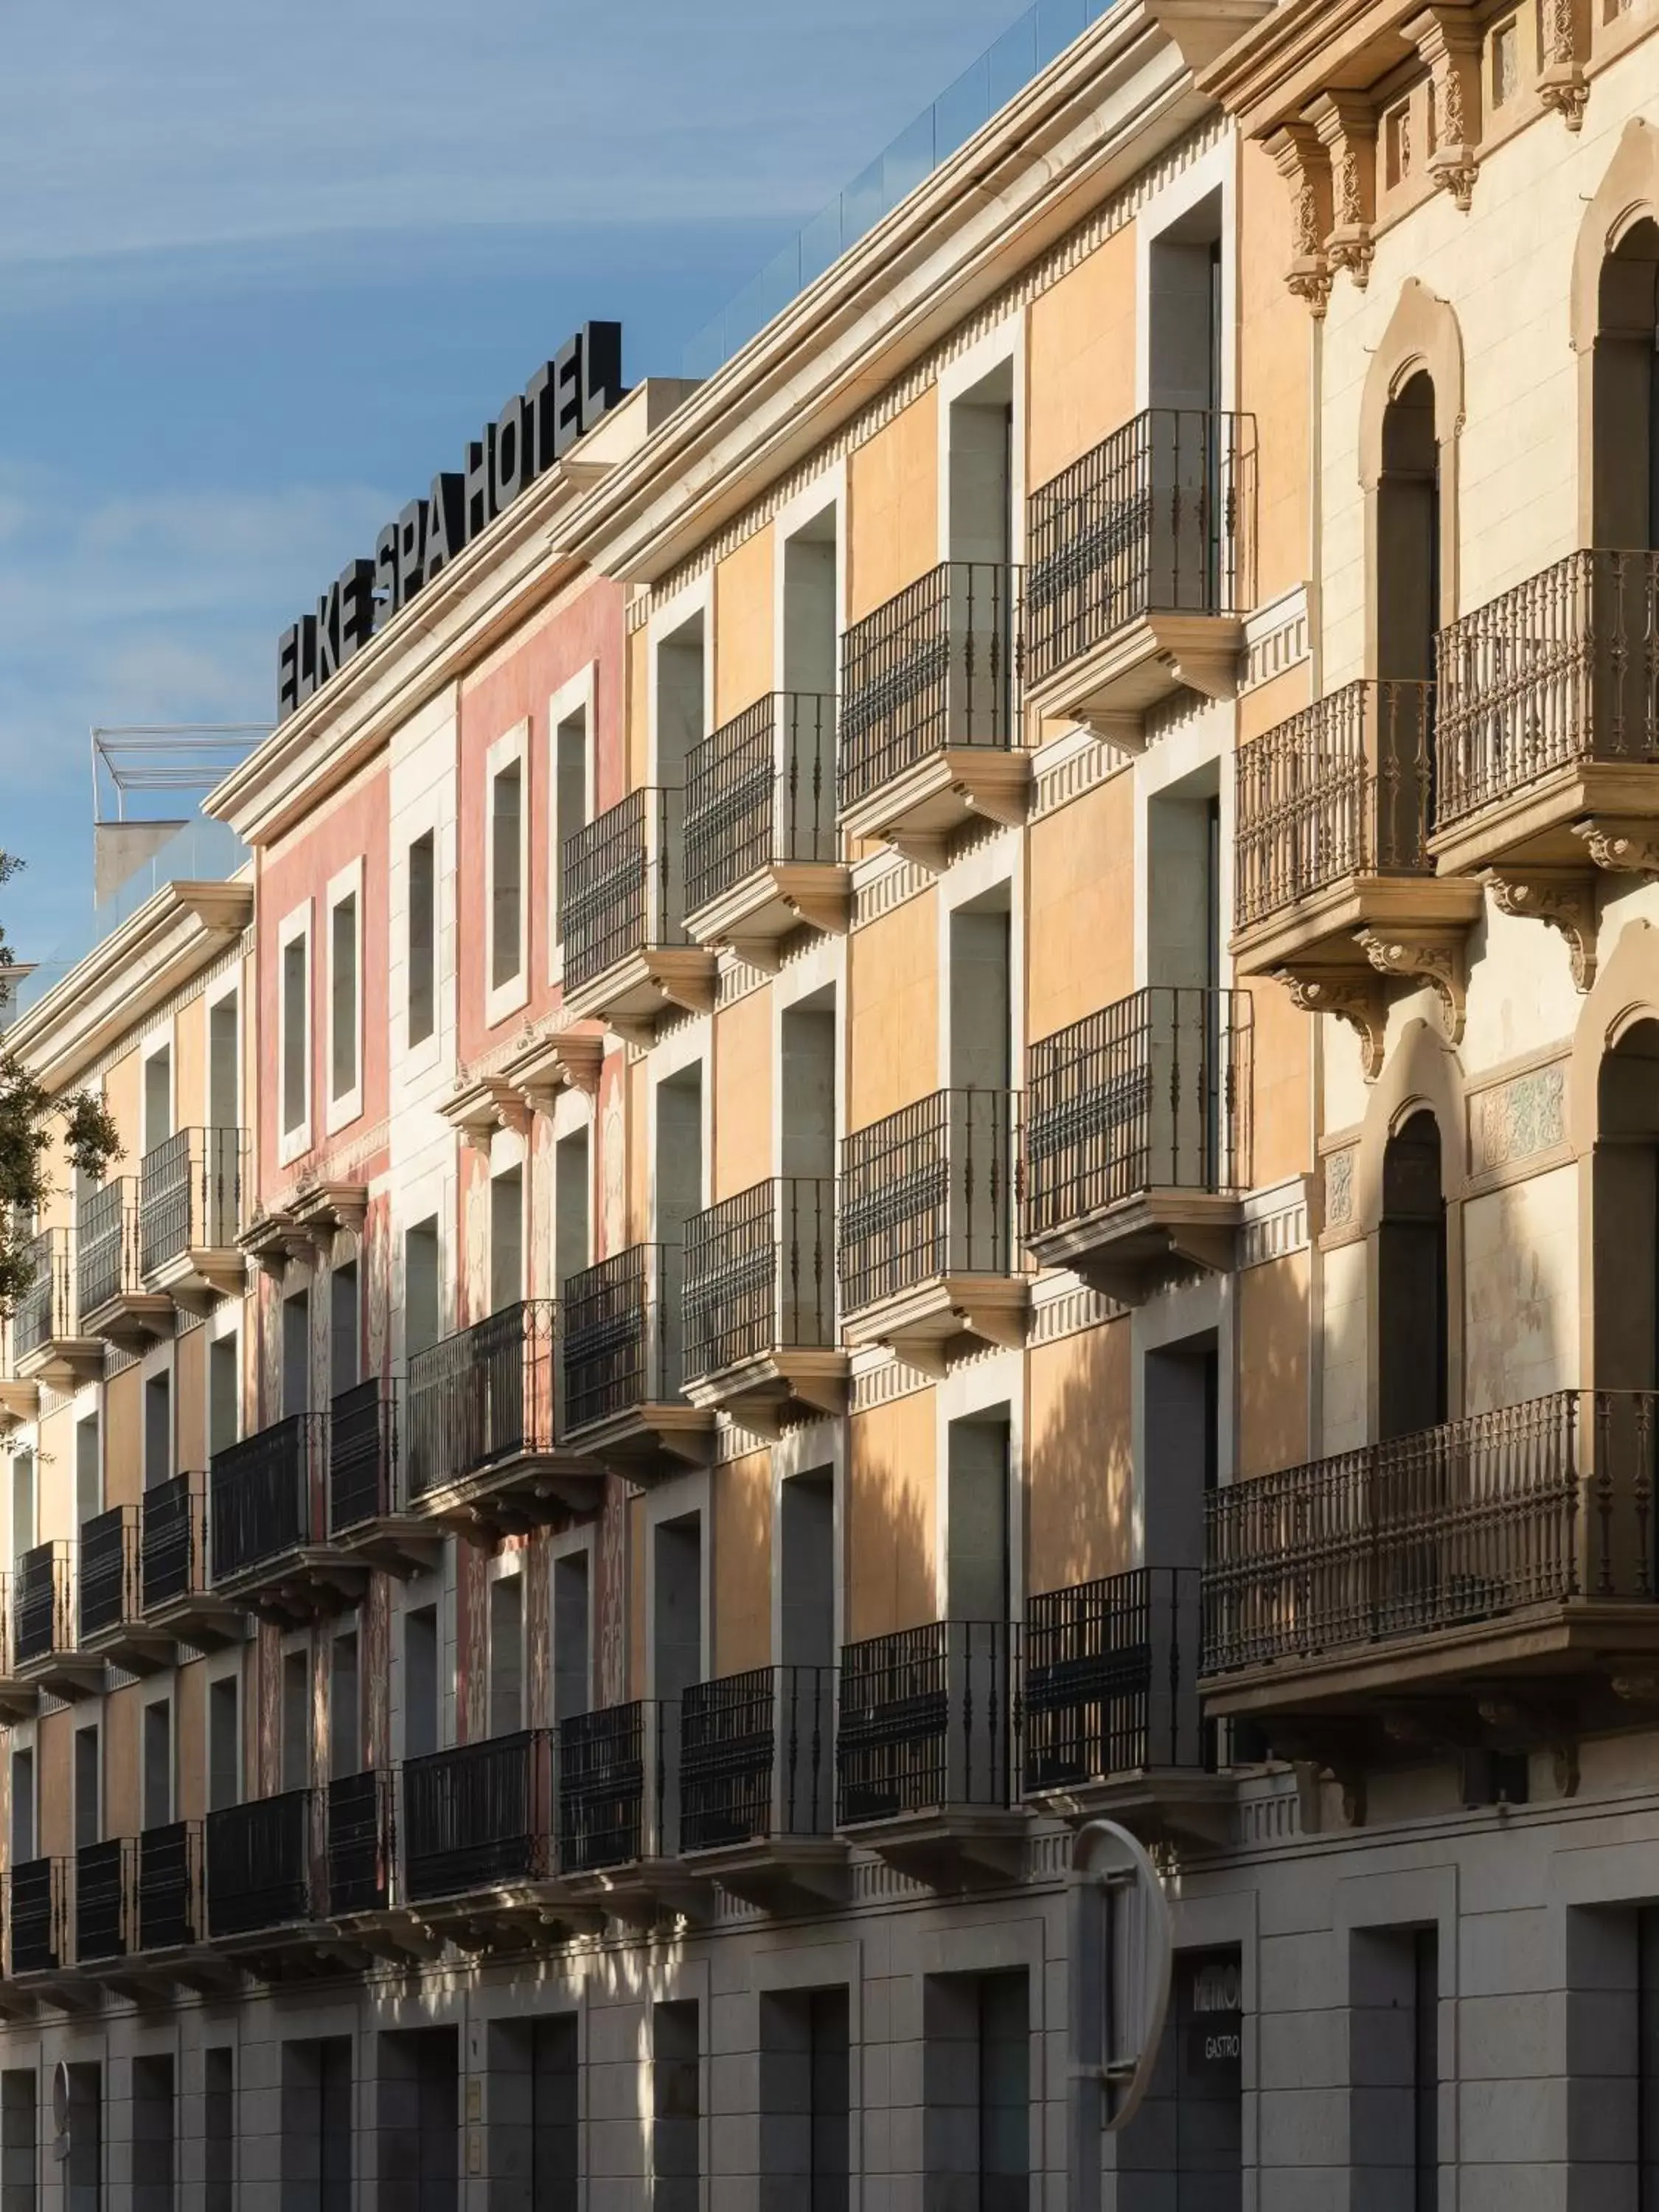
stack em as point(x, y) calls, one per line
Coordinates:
point(616, 1785)
point(191, 1195)
point(479, 1816)
point(103, 1899)
point(45, 1312)
point(42, 1600)
point(361, 1842)
point(929, 1192)
point(928, 1722)
point(484, 1396)
point(260, 1861)
point(1151, 1094)
point(38, 1917)
point(1549, 1502)
point(623, 1331)
point(106, 1245)
point(362, 1454)
point(109, 1576)
point(170, 1887)
point(1344, 788)
point(757, 1757)
point(1562, 668)
point(935, 668)
point(759, 791)
point(760, 1274)
point(173, 1544)
point(622, 888)
point(1159, 519)
point(1111, 1679)
point(266, 1494)
point(8, 1628)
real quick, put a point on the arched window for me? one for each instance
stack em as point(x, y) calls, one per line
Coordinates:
point(1626, 1219)
point(1624, 396)
point(1411, 1282)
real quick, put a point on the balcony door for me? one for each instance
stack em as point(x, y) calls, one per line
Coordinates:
point(1625, 496)
point(1625, 1242)
point(1411, 1383)
point(978, 1545)
point(1407, 587)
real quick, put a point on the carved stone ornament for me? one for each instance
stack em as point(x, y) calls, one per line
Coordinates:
point(1422, 957)
point(1564, 897)
point(1354, 998)
point(1561, 78)
point(1624, 848)
point(1304, 162)
point(1449, 46)
point(1347, 130)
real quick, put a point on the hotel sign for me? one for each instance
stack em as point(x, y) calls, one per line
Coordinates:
point(565, 396)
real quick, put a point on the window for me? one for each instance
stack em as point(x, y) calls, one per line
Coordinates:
point(158, 1428)
point(422, 1304)
point(420, 1730)
point(805, 2079)
point(570, 1189)
point(976, 2082)
point(506, 1655)
point(224, 1065)
point(219, 2127)
point(506, 1239)
point(1505, 62)
point(88, 1787)
point(23, 1807)
point(295, 1039)
point(505, 874)
point(315, 2124)
point(296, 1353)
point(343, 1008)
point(296, 1720)
point(158, 1763)
point(344, 1726)
point(152, 2133)
point(224, 1391)
point(23, 1503)
point(89, 1471)
point(571, 1634)
point(224, 1744)
point(422, 937)
point(158, 1099)
point(569, 792)
point(344, 1332)
point(676, 2108)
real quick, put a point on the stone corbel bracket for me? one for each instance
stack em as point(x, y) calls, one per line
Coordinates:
point(1564, 897)
point(1561, 82)
point(1450, 45)
point(1355, 997)
point(1422, 955)
point(1624, 848)
point(1302, 159)
point(1347, 130)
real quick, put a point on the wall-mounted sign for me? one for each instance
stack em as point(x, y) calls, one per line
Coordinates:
point(1215, 2018)
point(1119, 1963)
point(565, 396)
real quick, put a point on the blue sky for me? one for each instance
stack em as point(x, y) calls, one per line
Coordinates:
point(264, 269)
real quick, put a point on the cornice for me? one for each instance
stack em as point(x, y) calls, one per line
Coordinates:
point(1304, 48)
point(124, 978)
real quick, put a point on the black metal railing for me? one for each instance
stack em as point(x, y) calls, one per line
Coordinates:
point(929, 1192)
point(266, 1494)
point(1344, 788)
point(622, 888)
point(191, 1195)
point(172, 1547)
point(1151, 1094)
point(106, 1245)
point(170, 1887)
point(1111, 1679)
point(760, 1274)
point(259, 1863)
point(39, 1916)
point(1158, 519)
point(109, 1576)
point(43, 1599)
point(1560, 669)
point(614, 1768)
point(362, 1454)
point(477, 1817)
point(103, 1897)
point(761, 791)
point(45, 1312)
point(1549, 1501)
point(935, 668)
point(8, 1628)
point(757, 1757)
point(361, 1842)
point(483, 1396)
point(928, 1722)
point(623, 1330)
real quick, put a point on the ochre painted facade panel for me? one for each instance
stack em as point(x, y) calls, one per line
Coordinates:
point(1080, 373)
point(1080, 1509)
point(893, 508)
point(1080, 943)
point(1276, 336)
point(743, 1094)
point(1281, 1043)
point(891, 1517)
point(741, 1630)
point(123, 1439)
point(1273, 1365)
point(743, 627)
point(892, 1026)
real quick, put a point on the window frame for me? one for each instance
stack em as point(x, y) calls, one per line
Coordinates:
point(504, 999)
point(294, 928)
point(344, 1107)
point(576, 696)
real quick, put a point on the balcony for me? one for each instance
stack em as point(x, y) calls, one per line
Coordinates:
point(110, 1285)
point(19, 1700)
point(170, 1918)
point(760, 1305)
point(927, 1763)
point(930, 712)
point(264, 1869)
point(48, 1344)
point(1141, 570)
point(762, 854)
point(1334, 891)
point(928, 1228)
point(44, 1606)
point(627, 955)
point(176, 1593)
point(37, 1918)
point(484, 1429)
point(1112, 1721)
point(1138, 1140)
point(1479, 1583)
point(103, 1895)
point(478, 1839)
point(619, 1817)
point(110, 1595)
point(20, 1401)
point(191, 1216)
point(365, 1515)
point(623, 1359)
point(757, 1788)
point(1547, 740)
point(361, 1845)
point(269, 1525)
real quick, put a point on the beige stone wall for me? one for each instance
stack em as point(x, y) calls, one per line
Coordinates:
point(891, 1510)
point(1080, 1509)
point(1080, 927)
point(1272, 1424)
point(893, 1012)
point(1081, 358)
point(893, 508)
point(741, 1627)
point(1521, 1290)
point(744, 663)
point(743, 1094)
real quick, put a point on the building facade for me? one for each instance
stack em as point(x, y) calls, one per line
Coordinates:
point(932, 1112)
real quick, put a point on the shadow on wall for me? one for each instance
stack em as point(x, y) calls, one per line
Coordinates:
point(1080, 1519)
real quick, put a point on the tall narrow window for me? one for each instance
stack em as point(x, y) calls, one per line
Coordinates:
point(506, 1239)
point(88, 1787)
point(224, 1391)
point(571, 1634)
point(506, 1655)
point(219, 2127)
point(569, 791)
point(422, 1289)
point(570, 1229)
point(158, 1428)
point(344, 1722)
point(152, 2131)
point(420, 1717)
point(343, 1012)
point(23, 1503)
point(296, 1353)
point(23, 1807)
point(224, 1744)
point(343, 1328)
point(89, 1471)
point(224, 1065)
point(422, 937)
point(294, 1073)
point(296, 1720)
point(158, 1099)
point(506, 830)
point(158, 1763)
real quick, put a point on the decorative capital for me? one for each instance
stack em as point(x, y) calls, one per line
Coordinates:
point(1301, 159)
point(1450, 45)
point(1422, 955)
point(1347, 130)
point(1564, 897)
point(1561, 82)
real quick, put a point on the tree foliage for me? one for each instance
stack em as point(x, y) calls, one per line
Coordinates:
point(28, 1109)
